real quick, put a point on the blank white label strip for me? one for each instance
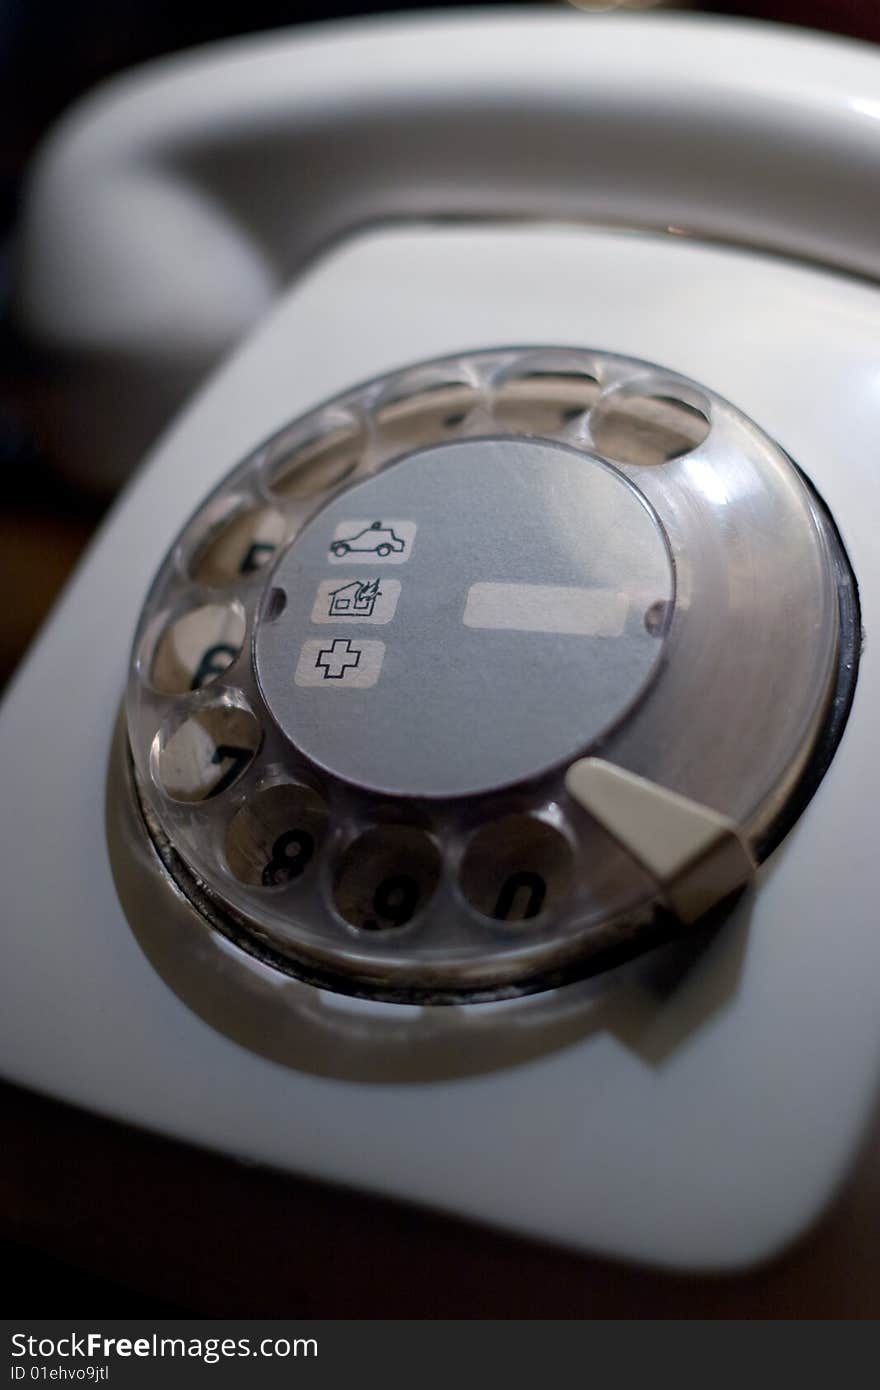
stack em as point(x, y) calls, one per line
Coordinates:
point(546, 608)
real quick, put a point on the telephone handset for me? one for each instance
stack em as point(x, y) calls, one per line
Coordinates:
point(509, 620)
point(173, 207)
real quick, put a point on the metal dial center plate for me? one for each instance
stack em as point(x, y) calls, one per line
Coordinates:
point(369, 668)
point(469, 618)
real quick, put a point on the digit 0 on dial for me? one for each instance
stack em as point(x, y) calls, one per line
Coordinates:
point(517, 868)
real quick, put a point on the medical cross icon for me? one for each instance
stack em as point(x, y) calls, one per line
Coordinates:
point(339, 665)
point(336, 659)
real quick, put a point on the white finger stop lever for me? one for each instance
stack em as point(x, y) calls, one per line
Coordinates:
point(696, 856)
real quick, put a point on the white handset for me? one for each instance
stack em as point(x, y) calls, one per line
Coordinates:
point(171, 208)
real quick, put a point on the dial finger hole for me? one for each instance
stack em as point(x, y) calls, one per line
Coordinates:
point(206, 753)
point(386, 877)
point(274, 604)
point(647, 430)
point(431, 414)
point(657, 617)
point(541, 402)
point(275, 837)
point(197, 647)
point(238, 547)
point(304, 469)
point(516, 869)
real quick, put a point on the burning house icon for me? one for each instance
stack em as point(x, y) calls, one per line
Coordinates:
point(356, 599)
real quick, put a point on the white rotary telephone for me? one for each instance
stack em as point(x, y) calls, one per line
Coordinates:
point(451, 772)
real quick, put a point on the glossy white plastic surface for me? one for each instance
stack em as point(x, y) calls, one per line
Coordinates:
point(696, 1117)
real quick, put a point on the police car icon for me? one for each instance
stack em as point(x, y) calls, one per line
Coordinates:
point(375, 539)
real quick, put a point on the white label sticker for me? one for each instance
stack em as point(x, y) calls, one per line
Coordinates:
point(365, 600)
point(339, 662)
point(546, 608)
point(372, 542)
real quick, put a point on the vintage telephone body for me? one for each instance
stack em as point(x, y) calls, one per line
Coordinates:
point(423, 238)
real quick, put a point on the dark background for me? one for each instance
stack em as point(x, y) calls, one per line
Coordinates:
point(51, 51)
